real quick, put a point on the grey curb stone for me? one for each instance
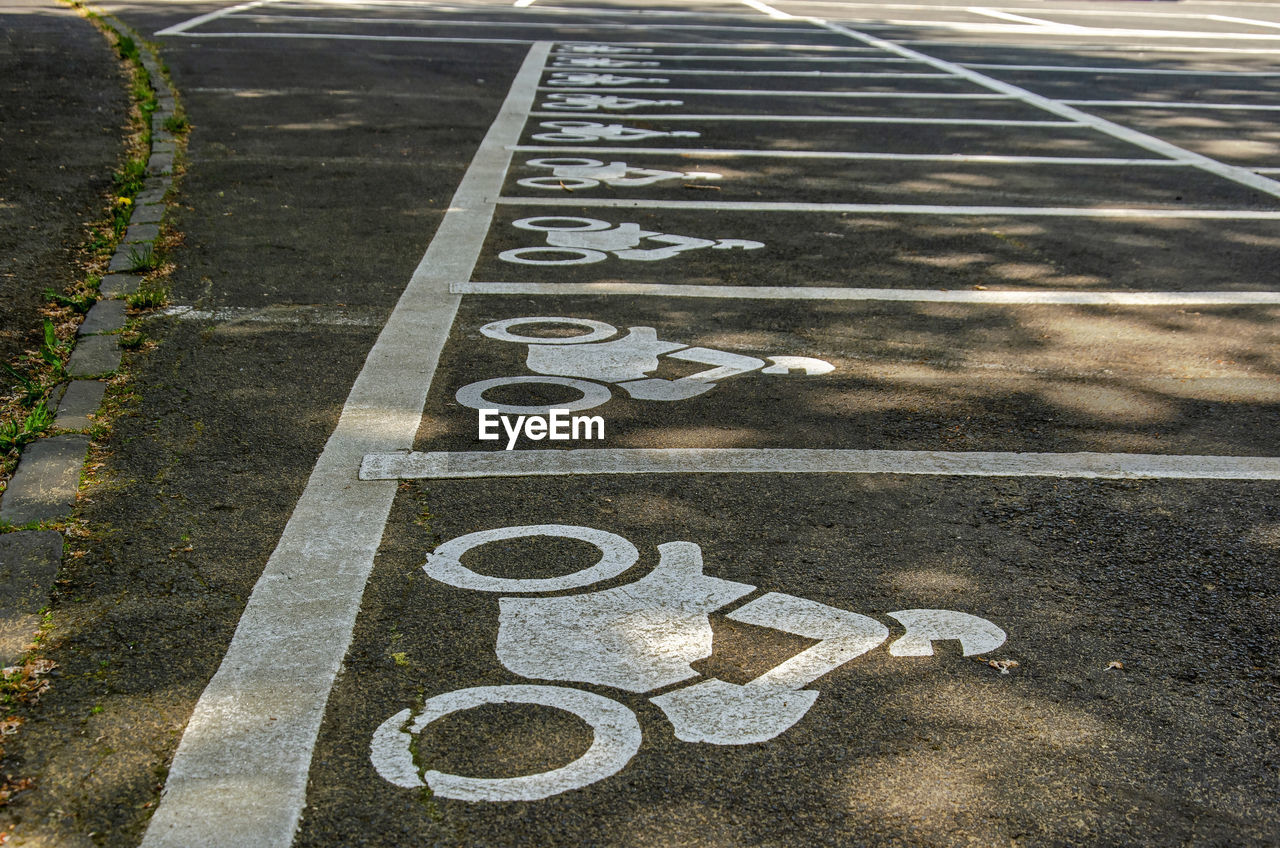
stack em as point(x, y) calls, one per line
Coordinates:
point(148, 213)
point(149, 197)
point(81, 399)
point(29, 563)
point(119, 285)
point(120, 261)
point(106, 316)
point(161, 163)
point(141, 232)
point(44, 486)
point(94, 355)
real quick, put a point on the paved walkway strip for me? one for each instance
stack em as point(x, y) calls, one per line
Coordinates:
point(239, 776)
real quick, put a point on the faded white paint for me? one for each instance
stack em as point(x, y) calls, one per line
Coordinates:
point(1102, 466)
point(616, 739)
point(592, 131)
point(638, 637)
point(578, 241)
point(569, 173)
point(926, 626)
point(445, 563)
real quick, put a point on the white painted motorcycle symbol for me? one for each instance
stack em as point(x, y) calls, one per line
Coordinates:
point(597, 62)
point(638, 638)
point(589, 173)
point(601, 48)
point(591, 102)
point(582, 241)
point(570, 78)
point(592, 131)
point(625, 362)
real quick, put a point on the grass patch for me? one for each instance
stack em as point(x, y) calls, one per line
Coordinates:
point(151, 294)
point(177, 123)
point(143, 257)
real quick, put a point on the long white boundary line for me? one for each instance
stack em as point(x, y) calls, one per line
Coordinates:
point(427, 39)
point(829, 119)
point(755, 60)
point(239, 777)
point(702, 72)
point(1102, 125)
point(1228, 19)
point(505, 24)
point(1068, 30)
point(1160, 104)
point(181, 29)
point(529, 463)
point(968, 296)
point(898, 208)
point(1079, 69)
point(765, 92)
point(1096, 48)
point(955, 158)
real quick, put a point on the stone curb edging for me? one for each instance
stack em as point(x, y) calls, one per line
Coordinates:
point(42, 488)
point(45, 483)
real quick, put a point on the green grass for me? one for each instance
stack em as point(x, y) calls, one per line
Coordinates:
point(150, 294)
point(14, 433)
point(143, 257)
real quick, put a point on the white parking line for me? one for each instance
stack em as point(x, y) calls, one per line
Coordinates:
point(757, 92)
point(804, 74)
point(1105, 48)
point(1068, 30)
point(530, 463)
point(240, 774)
point(1247, 21)
point(957, 158)
point(1028, 298)
point(683, 57)
point(1161, 104)
point(1009, 16)
point(199, 20)
point(900, 208)
point(830, 119)
point(499, 24)
point(1147, 142)
point(1080, 69)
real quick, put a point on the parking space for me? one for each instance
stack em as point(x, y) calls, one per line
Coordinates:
point(925, 477)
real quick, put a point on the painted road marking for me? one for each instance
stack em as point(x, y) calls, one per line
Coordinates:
point(1147, 142)
point(454, 22)
point(805, 74)
point(1080, 69)
point(570, 174)
point(642, 637)
point(1166, 104)
point(414, 465)
point(744, 92)
point(237, 778)
point(1105, 48)
point(838, 119)
point(1065, 298)
point(900, 209)
point(712, 153)
point(579, 241)
point(625, 362)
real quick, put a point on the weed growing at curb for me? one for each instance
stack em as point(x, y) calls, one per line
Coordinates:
point(151, 294)
point(143, 257)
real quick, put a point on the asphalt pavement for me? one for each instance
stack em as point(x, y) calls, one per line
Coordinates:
point(933, 348)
